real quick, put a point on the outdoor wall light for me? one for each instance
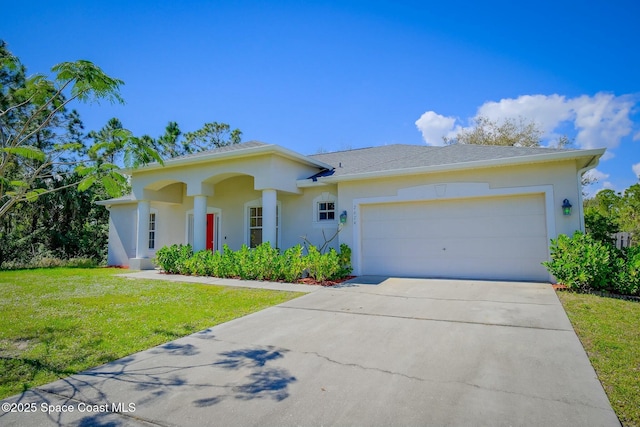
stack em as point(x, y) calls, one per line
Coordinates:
point(343, 217)
point(566, 207)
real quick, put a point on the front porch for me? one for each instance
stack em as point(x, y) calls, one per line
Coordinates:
point(232, 202)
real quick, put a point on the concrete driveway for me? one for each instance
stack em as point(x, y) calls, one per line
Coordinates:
point(377, 352)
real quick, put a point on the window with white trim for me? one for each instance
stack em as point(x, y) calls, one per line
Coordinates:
point(152, 230)
point(254, 223)
point(326, 211)
point(325, 207)
point(255, 226)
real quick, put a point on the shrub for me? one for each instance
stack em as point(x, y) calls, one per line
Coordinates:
point(628, 272)
point(345, 260)
point(322, 267)
point(82, 263)
point(260, 263)
point(50, 262)
point(199, 264)
point(580, 262)
point(172, 258)
point(266, 262)
point(227, 266)
point(292, 264)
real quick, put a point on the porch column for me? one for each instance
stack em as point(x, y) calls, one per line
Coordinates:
point(142, 241)
point(199, 223)
point(269, 206)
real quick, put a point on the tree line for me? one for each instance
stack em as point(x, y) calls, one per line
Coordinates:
point(52, 171)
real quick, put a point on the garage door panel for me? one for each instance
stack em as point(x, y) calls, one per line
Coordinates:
point(454, 248)
point(444, 227)
point(471, 268)
point(484, 237)
point(426, 227)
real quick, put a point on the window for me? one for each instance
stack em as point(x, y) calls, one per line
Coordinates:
point(152, 231)
point(325, 208)
point(255, 225)
point(326, 211)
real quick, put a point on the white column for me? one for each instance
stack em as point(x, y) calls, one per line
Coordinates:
point(142, 242)
point(199, 223)
point(269, 206)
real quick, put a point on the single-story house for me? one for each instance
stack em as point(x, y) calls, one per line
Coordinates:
point(458, 211)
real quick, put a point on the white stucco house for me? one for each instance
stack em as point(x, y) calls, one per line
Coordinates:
point(458, 211)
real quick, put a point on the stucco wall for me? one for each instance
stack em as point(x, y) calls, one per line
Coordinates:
point(122, 234)
point(298, 218)
point(170, 225)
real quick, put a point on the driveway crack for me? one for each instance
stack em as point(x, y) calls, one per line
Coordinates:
point(420, 379)
point(464, 383)
point(449, 299)
point(430, 319)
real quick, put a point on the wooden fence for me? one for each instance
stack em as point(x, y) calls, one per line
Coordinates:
point(623, 240)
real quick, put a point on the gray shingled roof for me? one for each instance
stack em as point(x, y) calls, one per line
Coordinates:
point(227, 148)
point(402, 156)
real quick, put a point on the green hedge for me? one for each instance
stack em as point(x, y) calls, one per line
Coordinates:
point(260, 263)
point(584, 263)
point(50, 262)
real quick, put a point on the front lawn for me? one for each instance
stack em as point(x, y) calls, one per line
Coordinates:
point(610, 333)
point(57, 322)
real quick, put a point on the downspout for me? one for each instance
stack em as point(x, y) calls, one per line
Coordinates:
point(591, 165)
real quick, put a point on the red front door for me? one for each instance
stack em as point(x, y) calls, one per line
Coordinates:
point(210, 231)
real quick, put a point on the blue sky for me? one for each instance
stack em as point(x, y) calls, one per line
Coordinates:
point(347, 74)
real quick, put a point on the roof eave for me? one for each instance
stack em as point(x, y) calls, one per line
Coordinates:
point(229, 155)
point(588, 155)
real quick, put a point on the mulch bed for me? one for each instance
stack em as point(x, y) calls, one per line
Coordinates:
point(305, 281)
point(309, 281)
point(561, 287)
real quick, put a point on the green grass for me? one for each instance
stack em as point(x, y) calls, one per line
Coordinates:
point(610, 333)
point(57, 322)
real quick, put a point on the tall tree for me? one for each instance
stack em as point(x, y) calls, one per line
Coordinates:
point(601, 215)
point(168, 142)
point(113, 137)
point(629, 212)
point(609, 212)
point(39, 138)
point(509, 132)
point(174, 143)
point(211, 135)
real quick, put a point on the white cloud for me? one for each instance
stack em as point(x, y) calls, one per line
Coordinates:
point(547, 111)
point(600, 182)
point(597, 121)
point(602, 120)
point(434, 126)
point(636, 169)
point(596, 174)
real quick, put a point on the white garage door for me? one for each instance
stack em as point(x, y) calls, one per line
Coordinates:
point(481, 238)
